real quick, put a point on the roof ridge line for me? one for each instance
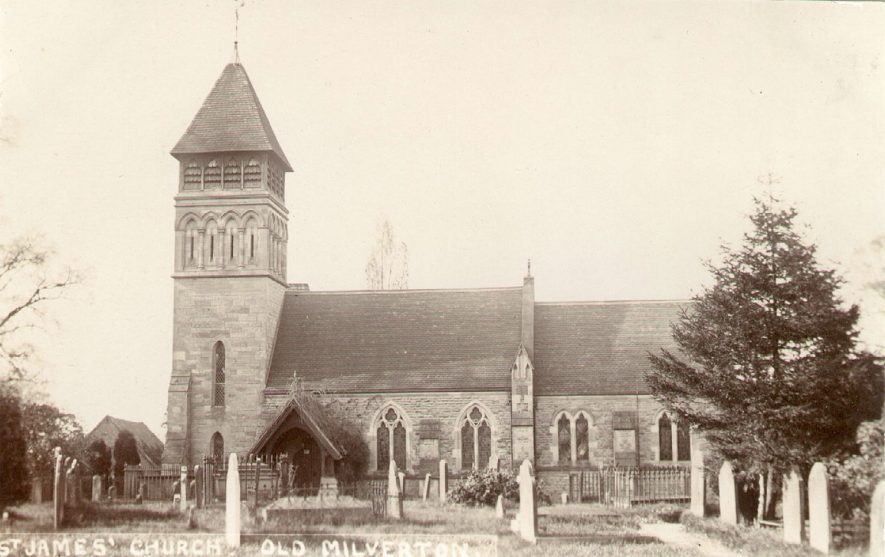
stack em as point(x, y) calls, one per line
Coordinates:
point(612, 302)
point(406, 290)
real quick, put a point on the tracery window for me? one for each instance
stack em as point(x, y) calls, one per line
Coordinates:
point(582, 438)
point(564, 438)
point(665, 438)
point(571, 437)
point(476, 439)
point(674, 439)
point(391, 439)
point(216, 447)
point(218, 378)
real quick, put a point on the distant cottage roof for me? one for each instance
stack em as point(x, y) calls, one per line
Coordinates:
point(150, 448)
point(231, 119)
point(599, 348)
point(399, 340)
point(465, 340)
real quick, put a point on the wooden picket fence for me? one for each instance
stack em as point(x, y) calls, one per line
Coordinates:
point(625, 487)
point(158, 481)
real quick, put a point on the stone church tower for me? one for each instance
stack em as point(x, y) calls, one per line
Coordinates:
point(230, 269)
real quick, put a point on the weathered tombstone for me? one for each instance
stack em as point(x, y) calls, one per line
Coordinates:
point(698, 481)
point(877, 521)
point(66, 472)
point(96, 488)
point(499, 507)
point(198, 486)
point(527, 517)
point(394, 498)
point(176, 491)
point(112, 494)
point(58, 492)
point(443, 480)
point(183, 484)
point(728, 511)
point(232, 503)
point(794, 507)
point(563, 497)
point(426, 488)
point(819, 535)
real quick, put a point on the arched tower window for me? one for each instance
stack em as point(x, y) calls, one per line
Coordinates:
point(476, 439)
point(391, 439)
point(193, 176)
point(252, 174)
point(251, 240)
point(216, 447)
point(212, 175)
point(230, 243)
point(665, 438)
point(218, 378)
point(211, 244)
point(564, 438)
point(232, 178)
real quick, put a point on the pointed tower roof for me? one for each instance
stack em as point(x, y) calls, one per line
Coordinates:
point(231, 119)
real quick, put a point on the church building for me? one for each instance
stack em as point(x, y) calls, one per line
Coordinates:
point(477, 377)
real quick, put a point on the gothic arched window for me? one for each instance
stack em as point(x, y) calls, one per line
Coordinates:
point(564, 438)
point(216, 447)
point(582, 438)
point(218, 374)
point(391, 438)
point(476, 439)
point(683, 441)
point(665, 438)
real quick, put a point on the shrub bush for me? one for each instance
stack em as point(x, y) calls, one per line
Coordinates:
point(853, 478)
point(482, 487)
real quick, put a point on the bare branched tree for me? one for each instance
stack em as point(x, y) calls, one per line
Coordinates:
point(388, 266)
point(28, 281)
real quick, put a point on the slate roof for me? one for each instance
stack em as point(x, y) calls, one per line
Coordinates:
point(150, 448)
point(399, 340)
point(599, 348)
point(231, 119)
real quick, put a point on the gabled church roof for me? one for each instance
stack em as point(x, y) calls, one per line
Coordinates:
point(399, 340)
point(600, 348)
point(231, 119)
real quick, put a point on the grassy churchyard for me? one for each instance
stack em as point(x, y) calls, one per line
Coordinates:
point(580, 530)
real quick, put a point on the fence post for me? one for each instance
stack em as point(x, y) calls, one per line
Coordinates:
point(58, 491)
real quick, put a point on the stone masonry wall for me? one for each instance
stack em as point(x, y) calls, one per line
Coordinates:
point(242, 312)
point(431, 421)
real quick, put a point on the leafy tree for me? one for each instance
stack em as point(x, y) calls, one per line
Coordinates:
point(388, 266)
point(767, 364)
point(98, 457)
point(854, 477)
point(45, 428)
point(14, 484)
point(125, 452)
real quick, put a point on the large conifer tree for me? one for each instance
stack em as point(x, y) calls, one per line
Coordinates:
point(767, 365)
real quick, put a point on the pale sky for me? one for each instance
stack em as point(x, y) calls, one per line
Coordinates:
point(615, 144)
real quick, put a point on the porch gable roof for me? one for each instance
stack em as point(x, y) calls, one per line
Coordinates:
point(323, 438)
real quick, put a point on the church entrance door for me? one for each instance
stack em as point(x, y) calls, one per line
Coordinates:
point(304, 454)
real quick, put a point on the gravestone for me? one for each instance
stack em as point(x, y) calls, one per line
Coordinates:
point(426, 490)
point(182, 504)
point(499, 507)
point(819, 534)
point(728, 511)
point(176, 491)
point(96, 488)
point(394, 498)
point(192, 489)
point(58, 492)
point(527, 518)
point(66, 472)
point(443, 480)
point(794, 507)
point(563, 497)
point(877, 521)
point(698, 480)
point(198, 486)
point(112, 494)
point(401, 481)
point(232, 503)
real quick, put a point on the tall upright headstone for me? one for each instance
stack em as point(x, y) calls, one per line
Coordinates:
point(58, 491)
point(394, 497)
point(527, 517)
point(499, 507)
point(819, 534)
point(232, 503)
point(426, 488)
point(728, 511)
point(794, 507)
point(182, 503)
point(698, 480)
point(96, 488)
point(198, 486)
point(443, 480)
point(877, 521)
point(401, 480)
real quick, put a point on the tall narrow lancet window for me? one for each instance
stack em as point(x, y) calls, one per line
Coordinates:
point(391, 438)
point(582, 438)
point(476, 439)
point(216, 447)
point(665, 438)
point(218, 378)
point(683, 441)
point(564, 438)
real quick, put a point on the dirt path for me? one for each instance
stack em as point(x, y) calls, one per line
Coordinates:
point(676, 534)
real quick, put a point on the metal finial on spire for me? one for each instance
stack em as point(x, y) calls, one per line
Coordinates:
point(529, 271)
point(239, 4)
